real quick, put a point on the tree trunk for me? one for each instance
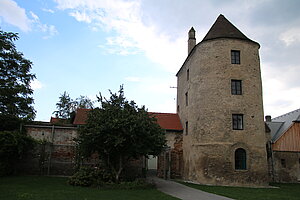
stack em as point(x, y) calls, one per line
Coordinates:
point(120, 170)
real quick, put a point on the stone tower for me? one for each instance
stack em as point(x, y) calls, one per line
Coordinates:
point(219, 101)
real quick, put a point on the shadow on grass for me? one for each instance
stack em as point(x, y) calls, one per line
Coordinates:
point(56, 188)
point(281, 191)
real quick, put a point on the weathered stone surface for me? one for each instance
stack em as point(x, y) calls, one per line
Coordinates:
point(288, 172)
point(209, 146)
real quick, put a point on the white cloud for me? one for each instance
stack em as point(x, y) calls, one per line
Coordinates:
point(81, 16)
point(14, 15)
point(50, 30)
point(291, 36)
point(48, 10)
point(125, 18)
point(34, 16)
point(35, 84)
point(281, 89)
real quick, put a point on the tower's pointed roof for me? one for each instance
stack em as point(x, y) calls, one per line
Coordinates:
point(222, 28)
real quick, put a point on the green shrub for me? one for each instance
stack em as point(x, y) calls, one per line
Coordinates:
point(13, 146)
point(101, 178)
point(87, 176)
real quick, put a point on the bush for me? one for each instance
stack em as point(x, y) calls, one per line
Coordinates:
point(13, 146)
point(87, 176)
point(101, 178)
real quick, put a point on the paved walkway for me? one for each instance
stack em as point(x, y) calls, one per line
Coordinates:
point(183, 192)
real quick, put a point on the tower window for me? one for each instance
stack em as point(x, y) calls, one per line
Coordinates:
point(186, 127)
point(237, 122)
point(236, 87)
point(283, 163)
point(235, 57)
point(186, 99)
point(240, 159)
point(187, 74)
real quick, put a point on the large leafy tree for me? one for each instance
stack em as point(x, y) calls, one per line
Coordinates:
point(119, 131)
point(16, 102)
point(66, 106)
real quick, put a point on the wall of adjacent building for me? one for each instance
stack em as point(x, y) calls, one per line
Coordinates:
point(286, 166)
point(55, 153)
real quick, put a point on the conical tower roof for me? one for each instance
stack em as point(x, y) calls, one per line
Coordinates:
point(222, 28)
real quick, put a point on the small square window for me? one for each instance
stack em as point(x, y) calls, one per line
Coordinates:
point(283, 163)
point(236, 87)
point(237, 122)
point(235, 57)
point(186, 127)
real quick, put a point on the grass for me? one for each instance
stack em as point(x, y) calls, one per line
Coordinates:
point(56, 188)
point(285, 191)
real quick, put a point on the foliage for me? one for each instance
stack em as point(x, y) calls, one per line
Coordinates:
point(84, 102)
point(87, 176)
point(15, 91)
point(119, 131)
point(50, 188)
point(13, 146)
point(281, 191)
point(66, 106)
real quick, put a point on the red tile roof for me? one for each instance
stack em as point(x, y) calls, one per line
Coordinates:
point(81, 116)
point(168, 121)
point(55, 120)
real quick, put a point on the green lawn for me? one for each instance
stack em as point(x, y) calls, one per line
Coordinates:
point(283, 192)
point(54, 188)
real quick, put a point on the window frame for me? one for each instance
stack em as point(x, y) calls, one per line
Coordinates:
point(236, 87)
point(237, 121)
point(235, 57)
point(240, 159)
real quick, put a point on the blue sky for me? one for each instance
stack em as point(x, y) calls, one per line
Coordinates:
point(89, 46)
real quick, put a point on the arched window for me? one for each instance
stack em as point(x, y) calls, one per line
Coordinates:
point(240, 159)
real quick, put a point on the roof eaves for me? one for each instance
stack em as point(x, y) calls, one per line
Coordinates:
point(246, 40)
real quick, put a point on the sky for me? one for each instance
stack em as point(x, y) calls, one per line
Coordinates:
point(89, 46)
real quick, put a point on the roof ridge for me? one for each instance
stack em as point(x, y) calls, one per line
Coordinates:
point(164, 113)
point(287, 114)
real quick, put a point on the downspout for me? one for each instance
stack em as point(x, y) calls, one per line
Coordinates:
point(50, 152)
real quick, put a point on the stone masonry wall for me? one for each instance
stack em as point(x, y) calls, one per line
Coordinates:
point(56, 153)
point(286, 166)
point(209, 145)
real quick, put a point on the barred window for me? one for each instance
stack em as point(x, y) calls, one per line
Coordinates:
point(235, 57)
point(237, 122)
point(236, 87)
